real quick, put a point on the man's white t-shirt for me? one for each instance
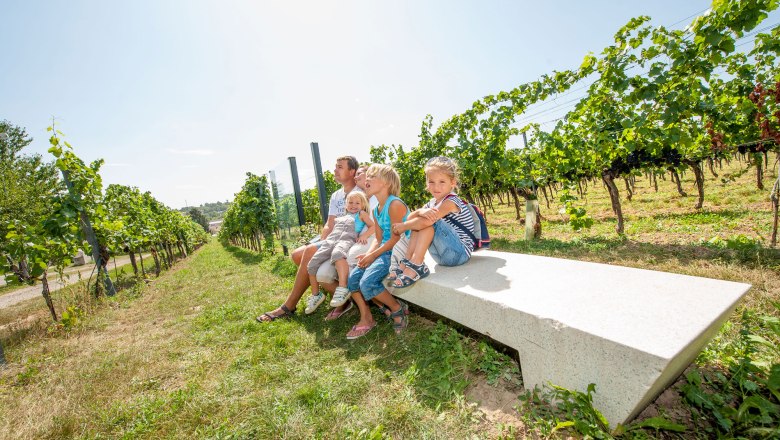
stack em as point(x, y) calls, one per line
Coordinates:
point(338, 202)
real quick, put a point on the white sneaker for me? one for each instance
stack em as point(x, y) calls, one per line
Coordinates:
point(340, 296)
point(314, 302)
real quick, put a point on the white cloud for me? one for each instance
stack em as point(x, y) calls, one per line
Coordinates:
point(194, 152)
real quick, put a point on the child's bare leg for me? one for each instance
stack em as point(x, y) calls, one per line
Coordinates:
point(342, 268)
point(417, 250)
point(315, 286)
point(366, 318)
point(389, 300)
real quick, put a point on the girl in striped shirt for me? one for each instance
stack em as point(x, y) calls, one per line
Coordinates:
point(438, 226)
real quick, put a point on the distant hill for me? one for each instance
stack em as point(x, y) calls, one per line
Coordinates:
point(212, 211)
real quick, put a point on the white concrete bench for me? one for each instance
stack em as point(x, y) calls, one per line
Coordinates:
point(629, 331)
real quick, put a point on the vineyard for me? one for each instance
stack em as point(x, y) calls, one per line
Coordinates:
point(666, 161)
point(658, 102)
point(43, 231)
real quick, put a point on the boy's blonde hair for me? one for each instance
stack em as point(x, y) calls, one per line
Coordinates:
point(442, 164)
point(386, 174)
point(361, 196)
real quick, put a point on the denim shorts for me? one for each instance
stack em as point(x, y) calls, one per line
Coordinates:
point(369, 280)
point(446, 247)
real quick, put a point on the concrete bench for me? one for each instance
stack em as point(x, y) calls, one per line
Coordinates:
point(630, 331)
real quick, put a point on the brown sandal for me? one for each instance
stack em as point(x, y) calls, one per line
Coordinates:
point(268, 317)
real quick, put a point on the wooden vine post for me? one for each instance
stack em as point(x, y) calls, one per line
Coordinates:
point(775, 197)
point(89, 234)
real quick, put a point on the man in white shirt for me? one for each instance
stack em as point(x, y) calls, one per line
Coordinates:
point(343, 173)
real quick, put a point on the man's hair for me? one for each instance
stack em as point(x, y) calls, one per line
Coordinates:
point(352, 163)
point(387, 174)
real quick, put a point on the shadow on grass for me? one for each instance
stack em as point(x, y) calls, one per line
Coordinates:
point(244, 255)
point(702, 216)
point(620, 250)
point(278, 264)
point(432, 354)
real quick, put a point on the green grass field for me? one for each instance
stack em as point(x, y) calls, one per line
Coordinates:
point(182, 357)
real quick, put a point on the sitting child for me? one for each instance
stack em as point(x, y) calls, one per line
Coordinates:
point(354, 226)
point(440, 226)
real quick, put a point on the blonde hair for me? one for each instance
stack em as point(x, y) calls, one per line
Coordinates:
point(386, 174)
point(361, 196)
point(442, 164)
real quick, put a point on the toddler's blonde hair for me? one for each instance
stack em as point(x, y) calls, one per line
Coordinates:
point(361, 196)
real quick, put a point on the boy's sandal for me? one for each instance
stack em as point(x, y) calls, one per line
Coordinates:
point(401, 325)
point(268, 317)
point(387, 312)
point(358, 331)
point(336, 313)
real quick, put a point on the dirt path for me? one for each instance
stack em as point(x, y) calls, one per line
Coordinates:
point(71, 276)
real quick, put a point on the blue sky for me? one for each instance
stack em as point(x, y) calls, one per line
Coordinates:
point(182, 98)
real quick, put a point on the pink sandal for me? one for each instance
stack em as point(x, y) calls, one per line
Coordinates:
point(359, 331)
point(336, 313)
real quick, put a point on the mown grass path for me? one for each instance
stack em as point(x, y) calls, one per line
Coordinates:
point(188, 359)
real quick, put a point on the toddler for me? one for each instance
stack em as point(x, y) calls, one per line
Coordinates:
point(354, 226)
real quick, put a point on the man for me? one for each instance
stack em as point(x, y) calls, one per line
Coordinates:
point(344, 174)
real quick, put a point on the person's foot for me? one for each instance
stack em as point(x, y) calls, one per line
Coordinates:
point(400, 319)
point(281, 312)
point(340, 296)
point(339, 311)
point(360, 329)
point(314, 302)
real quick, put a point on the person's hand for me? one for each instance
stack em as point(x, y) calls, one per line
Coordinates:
point(431, 214)
point(398, 228)
point(365, 260)
point(362, 240)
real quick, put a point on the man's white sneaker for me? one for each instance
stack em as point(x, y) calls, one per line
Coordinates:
point(314, 302)
point(340, 296)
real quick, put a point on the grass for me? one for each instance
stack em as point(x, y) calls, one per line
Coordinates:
point(183, 357)
point(187, 358)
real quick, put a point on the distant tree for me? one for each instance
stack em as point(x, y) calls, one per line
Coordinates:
point(26, 182)
point(212, 211)
point(199, 218)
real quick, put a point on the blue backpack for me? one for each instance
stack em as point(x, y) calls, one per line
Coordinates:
point(479, 234)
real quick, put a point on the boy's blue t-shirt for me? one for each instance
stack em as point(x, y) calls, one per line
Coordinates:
point(383, 218)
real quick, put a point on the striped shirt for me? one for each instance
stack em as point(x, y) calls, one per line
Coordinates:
point(463, 216)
